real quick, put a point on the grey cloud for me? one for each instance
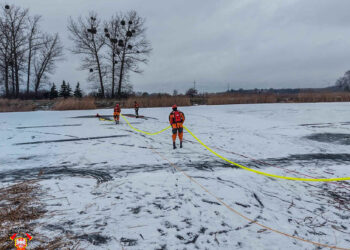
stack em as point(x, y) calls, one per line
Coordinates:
point(248, 44)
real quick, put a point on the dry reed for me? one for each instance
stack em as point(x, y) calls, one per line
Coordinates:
point(19, 208)
point(239, 98)
point(149, 101)
point(16, 105)
point(75, 104)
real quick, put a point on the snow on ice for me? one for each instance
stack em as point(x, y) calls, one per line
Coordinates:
point(113, 191)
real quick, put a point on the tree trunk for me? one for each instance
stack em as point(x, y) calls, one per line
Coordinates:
point(99, 69)
point(113, 72)
point(37, 83)
point(15, 64)
point(17, 77)
point(29, 67)
point(7, 80)
point(40, 74)
point(13, 80)
point(121, 72)
point(100, 76)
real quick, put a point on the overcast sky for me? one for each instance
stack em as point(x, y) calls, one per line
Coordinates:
point(240, 43)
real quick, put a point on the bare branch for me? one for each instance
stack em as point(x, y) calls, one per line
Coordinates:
point(46, 57)
point(88, 42)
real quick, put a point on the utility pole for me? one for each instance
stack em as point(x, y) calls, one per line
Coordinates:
point(194, 84)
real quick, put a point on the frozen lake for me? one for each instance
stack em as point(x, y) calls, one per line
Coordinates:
point(114, 188)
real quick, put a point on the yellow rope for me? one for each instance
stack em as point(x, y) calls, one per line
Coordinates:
point(104, 119)
point(141, 131)
point(239, 165)
point(242, 215)
point(225, 204)
point(260, 172)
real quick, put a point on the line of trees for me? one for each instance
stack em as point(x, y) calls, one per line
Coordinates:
point(65, 91)
point(27, 54)
point(110, 49)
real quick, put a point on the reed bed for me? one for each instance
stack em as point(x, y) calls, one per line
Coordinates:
point(75, 104)
point(16, 105)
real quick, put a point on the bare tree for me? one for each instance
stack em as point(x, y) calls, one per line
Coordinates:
point(5, 49)
point(88, 41)
point(34, 43)
point(15, 23)
point(112, 31)
point(20, 41)
point(134, 47)
point(45, 58)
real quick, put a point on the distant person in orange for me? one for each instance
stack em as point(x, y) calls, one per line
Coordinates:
point(136, 106)
point(116, 113)
point(176, 119)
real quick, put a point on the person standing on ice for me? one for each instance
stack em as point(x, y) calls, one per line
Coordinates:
point(176, 119)
point(116, 113)
point(136, 106)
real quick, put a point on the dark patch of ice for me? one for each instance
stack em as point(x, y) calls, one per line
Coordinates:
point(336, 138)
point(211, 202)
point(128, 242)
point(136, 210)
point(140, 116)
point(94, 238)
point(162, 247)
point(242, 205)
point(51, 126)
point(92, 116)
point(52, 172)
point(257, 198)
point(69, 140)
point(340, 158)
point(60, 228)
point(180, 237)
point(25, 158)
point(193, 240)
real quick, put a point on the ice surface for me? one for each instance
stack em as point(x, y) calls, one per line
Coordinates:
point(117, 192)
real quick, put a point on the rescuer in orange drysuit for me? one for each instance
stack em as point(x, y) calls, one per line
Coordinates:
point(176, 119)
point(116, 113)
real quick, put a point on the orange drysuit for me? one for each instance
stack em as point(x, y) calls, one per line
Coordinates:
point(116, 113)
point(176, 119)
